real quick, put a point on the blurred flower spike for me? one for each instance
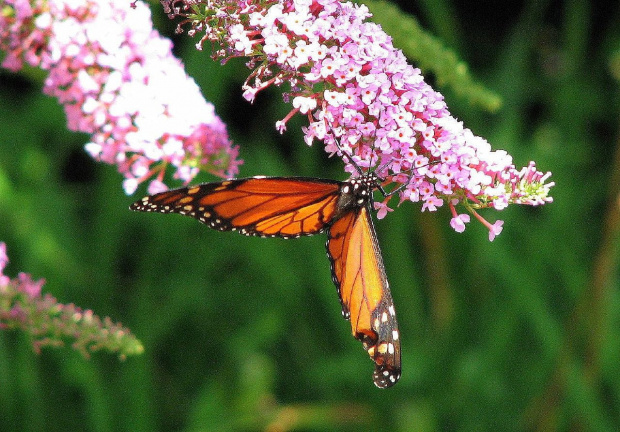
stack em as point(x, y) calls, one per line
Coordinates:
point(118, 81)
point(362, 98)
point(49, 323)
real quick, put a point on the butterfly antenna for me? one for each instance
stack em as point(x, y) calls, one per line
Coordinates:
point(411, 173)
point(359, 170)
point(348, 157)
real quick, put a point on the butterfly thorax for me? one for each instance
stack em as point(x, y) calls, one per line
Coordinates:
point(357, 192)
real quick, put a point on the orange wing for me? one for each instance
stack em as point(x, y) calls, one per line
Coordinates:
point(358, 272)
point(262, 206)
point(292, 207)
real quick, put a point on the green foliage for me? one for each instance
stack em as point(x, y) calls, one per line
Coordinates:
point(246, 334)
point(49, 323)
point(431, 55)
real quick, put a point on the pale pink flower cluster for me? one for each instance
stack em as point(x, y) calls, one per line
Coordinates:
point(363, 100)
point(118, 80)
point(49, 323)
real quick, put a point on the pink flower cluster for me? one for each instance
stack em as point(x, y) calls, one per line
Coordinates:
point(118, 80)
point(50, 324)
point(363, 101)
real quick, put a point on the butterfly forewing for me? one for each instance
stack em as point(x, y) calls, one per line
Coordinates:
point(270, 207)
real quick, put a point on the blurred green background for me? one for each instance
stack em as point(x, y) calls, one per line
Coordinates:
point(245, 334)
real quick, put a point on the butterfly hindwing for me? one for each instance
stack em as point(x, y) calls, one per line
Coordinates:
point(359, 275)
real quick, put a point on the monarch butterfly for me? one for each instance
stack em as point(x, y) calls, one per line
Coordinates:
point(289, 207)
